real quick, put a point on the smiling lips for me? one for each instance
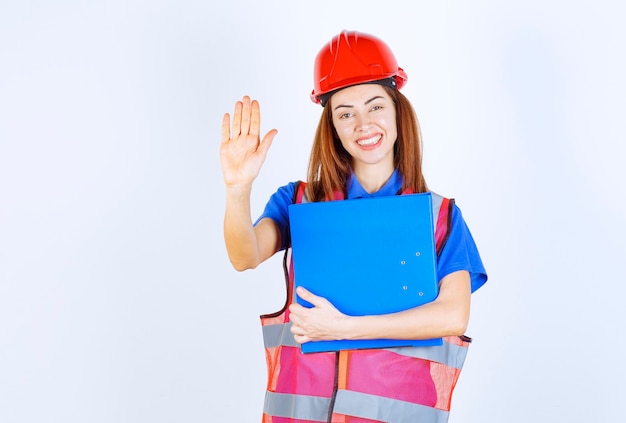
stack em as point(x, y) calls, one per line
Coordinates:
point(367, 142)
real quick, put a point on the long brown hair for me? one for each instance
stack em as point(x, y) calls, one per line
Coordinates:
point(330, 163)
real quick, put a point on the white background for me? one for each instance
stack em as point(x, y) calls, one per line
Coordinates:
point(117, 301)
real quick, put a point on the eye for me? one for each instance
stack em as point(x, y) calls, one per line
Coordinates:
point(376, 107)
point(345, 115)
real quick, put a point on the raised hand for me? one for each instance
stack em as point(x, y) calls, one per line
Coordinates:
point(242, 152)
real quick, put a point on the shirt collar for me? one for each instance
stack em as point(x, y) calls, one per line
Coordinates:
point(391, 187)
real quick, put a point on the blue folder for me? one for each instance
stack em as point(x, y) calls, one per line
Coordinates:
point(366, 256)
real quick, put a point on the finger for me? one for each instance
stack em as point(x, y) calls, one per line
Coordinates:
point(301, 339)
point(226, 128)
point(296, 330)
point(255, 118)
point(298, 334)
point(245, 116)
point(295, 311)
point(237, 119)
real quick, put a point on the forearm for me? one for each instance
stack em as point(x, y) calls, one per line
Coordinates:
point(447, 315)
point(428, 321)
point(239, 233)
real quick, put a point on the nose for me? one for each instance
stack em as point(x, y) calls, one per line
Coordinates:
point(363, 123)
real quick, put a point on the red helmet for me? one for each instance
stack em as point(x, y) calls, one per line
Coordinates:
point(352, 58)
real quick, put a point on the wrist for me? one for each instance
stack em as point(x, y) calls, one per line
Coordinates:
point(238, 190)
point(348, 327)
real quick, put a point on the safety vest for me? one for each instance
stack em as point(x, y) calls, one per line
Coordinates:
point(397, 385)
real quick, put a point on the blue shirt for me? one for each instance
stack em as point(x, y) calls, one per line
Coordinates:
point(459, 253)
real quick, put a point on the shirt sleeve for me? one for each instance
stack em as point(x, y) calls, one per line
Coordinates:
point(277, 209)
point(461, 253)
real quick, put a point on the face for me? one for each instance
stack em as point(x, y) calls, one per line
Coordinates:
point(364, 117)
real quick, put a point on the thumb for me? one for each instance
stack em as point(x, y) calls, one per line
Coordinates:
point(267, 141)
point(307, 295)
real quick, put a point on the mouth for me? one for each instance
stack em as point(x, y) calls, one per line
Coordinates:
point(368, 142)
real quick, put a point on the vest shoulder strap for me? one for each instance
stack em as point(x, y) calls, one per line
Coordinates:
point(299, 195)
point(442, 213)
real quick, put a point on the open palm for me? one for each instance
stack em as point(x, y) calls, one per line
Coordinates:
point(242, 152)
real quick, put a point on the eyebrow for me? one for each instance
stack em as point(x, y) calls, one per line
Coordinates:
point(366, 103)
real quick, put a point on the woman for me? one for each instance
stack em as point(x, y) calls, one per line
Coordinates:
point(367, 144)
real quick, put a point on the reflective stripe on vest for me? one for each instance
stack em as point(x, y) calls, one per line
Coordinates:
point(293, 406)
point(279, 335)
point(382, 409)
point(373, 407)
point(404, 384)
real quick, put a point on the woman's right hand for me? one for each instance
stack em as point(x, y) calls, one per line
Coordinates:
point(242, 152)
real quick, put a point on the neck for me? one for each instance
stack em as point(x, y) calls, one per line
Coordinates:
point(372, 178)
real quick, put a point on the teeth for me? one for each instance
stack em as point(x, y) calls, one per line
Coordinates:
point(369, 141)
